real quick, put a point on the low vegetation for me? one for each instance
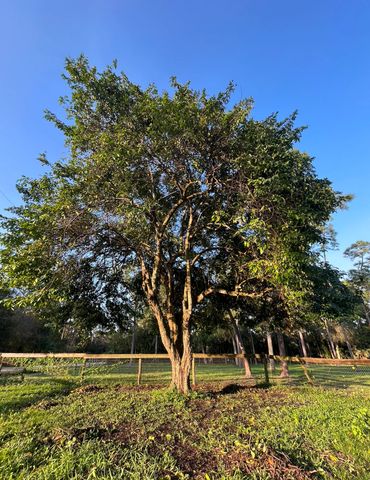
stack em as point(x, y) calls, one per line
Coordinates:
point(57, 429)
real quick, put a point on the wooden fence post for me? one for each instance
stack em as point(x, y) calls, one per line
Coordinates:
point(139, 371)
point(194, 378)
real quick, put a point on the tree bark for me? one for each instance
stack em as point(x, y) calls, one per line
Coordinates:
point(181, 367)
point(235, 350)
point(252, 344)
point(174, 331)
point(303, 343)
point(270, 349)
point(330, 339)
point(348, 343)
point(350, 351)
point(240, 344)
point(282, 352)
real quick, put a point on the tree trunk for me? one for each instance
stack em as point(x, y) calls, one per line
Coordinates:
point(349, 346)
point(252, 344)
point(309, 351)
point(181, 368)
point(303, 343)
point(366, 313)
point(240, 344)
point(270, 348)
point(282, 352)
point(330, 340)
point(176, 340)
point(235, 350)
point(204, 351)
point(350, 351)
point(239, 350)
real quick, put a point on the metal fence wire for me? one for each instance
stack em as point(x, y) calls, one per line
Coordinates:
point(206, 369)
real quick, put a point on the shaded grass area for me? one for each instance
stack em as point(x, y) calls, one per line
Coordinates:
point(16, 396)
point(219, 432)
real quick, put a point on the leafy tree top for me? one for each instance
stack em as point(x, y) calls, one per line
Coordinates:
point(191, 192)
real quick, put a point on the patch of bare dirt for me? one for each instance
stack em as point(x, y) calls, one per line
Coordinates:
point(87, 389)
point(45, 404)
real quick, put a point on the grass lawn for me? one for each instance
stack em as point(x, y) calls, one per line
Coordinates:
point(51, 427)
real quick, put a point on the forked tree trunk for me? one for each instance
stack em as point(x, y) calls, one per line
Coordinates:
point(181, 368)
point(282, 352)
point(175, 333)
point(158, 284)
point(181, 357)
point(176, 341)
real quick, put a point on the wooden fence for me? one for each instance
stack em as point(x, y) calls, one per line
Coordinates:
point(264, 359)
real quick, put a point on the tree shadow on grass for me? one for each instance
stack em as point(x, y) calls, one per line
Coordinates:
point(233, 388)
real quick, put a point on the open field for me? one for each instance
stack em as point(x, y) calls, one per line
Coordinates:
point(52, 427)
point(159, 373)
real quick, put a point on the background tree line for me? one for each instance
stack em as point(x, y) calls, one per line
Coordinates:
point(335, 323)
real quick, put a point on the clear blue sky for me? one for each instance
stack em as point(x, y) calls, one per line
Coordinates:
point(310, 55)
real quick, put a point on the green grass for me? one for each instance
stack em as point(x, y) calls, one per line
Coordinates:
point(52, 428)
point(160, 373)
point(16, 396)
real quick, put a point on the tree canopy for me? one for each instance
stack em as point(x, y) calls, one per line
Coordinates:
point(184, 188)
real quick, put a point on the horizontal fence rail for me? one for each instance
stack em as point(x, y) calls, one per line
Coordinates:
point(152, 356)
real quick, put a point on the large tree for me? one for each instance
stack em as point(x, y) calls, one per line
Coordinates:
point(184, 188)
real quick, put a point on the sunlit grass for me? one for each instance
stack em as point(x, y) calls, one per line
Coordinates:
point(57, 430)
point(159, 373)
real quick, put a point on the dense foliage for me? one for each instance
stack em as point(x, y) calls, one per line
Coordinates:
point(180, 188)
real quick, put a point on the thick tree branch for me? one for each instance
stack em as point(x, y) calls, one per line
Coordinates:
point(230, 293)
point(187, 303)
point(160, 232)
